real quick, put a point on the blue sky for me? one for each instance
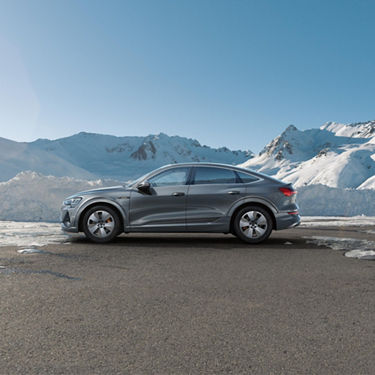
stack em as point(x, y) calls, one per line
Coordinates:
point(232, 73)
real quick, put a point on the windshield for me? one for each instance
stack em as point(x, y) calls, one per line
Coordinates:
point(139, 179)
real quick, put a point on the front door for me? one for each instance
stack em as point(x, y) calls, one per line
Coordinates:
point(163, 207)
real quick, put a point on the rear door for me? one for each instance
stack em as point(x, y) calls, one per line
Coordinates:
point(212, 192)
point(163, 208)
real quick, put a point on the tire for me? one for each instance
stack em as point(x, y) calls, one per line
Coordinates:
point(101, 224)
point(252, 224)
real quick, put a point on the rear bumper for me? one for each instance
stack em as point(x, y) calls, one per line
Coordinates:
point(286, 220)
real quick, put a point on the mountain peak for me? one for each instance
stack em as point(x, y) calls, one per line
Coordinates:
point(290, 128)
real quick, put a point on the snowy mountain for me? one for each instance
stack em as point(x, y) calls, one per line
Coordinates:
point(336, 155)
point(90, 156)
point(333, 167)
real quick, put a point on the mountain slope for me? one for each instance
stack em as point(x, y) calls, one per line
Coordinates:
point(356, 130)
point(336, 155)
point(88, 156)
point(16, 157)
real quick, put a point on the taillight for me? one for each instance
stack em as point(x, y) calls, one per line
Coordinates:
point(288, 192)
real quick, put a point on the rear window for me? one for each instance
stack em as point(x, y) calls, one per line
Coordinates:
point(211, 175)
point(246, 178)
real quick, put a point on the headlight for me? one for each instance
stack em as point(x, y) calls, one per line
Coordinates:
point(72, 202)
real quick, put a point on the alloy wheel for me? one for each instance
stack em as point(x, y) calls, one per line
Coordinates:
point(101, 224)
point(253, 224)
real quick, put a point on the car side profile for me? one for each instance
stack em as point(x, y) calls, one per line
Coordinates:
point(191, 197)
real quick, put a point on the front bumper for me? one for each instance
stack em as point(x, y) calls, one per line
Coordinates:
point(286, 220)
point(68, 219)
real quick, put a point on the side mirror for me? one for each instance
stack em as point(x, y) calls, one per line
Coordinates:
point(144, 187)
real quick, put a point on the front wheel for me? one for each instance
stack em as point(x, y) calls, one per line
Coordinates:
point(252, 224)
point(101, 224)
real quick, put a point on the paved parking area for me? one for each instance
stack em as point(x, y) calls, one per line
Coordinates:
point(188, 304)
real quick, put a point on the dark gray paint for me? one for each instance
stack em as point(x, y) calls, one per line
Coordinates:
point(202, 208)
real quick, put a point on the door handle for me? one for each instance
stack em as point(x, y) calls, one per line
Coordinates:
point(178, 194)
point(233, 192)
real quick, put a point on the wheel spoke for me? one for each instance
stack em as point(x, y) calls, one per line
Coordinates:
point(102, 232)
point(246, 231)
point(252, 215)
point(244, 223)
point(93, 228)
point(109, 226)
point(93, 218)
point(261, 221)
point(259, 231)
point(105, 215)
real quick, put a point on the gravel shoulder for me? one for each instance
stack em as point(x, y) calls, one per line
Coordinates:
point(188, 304)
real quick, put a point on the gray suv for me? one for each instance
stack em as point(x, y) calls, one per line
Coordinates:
point(193, 197)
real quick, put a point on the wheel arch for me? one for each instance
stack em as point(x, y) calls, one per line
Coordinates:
point(106, 203)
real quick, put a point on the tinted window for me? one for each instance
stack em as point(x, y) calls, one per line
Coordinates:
point(209, 175)
point(246, 178)
point(175, 176)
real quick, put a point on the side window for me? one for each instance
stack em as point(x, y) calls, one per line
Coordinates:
point(246, 178)
point(211, 175)
point(170, 177)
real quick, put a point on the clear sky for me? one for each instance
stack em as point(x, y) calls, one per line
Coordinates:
point(232, 73)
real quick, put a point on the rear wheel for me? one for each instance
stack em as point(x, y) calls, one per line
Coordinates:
point(101, 224)
point(252, 224)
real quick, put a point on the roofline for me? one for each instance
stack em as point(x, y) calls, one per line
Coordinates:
point(209, 164)
point(231, 166)
point(193, 164)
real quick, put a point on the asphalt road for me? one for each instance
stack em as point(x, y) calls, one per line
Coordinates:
point(188, 304)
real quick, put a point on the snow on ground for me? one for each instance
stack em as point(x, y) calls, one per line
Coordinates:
point(361, 254)
point(29, 251)
point(355, 248)
point(30, 234)
point(35, 234)
point(318, 221)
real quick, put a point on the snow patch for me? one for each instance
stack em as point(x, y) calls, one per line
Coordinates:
point(340, 221)
point(31, 235)
point(29, 251)
point(361, 254)
point(33, 197)
point(354, 248)
point(320, 200)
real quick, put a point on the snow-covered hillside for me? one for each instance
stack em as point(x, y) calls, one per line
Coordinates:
point(31, 196)
point(336, 155)
point(16, 157)
point(87, 155)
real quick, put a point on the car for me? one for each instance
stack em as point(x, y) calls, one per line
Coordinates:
point(187, 197)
